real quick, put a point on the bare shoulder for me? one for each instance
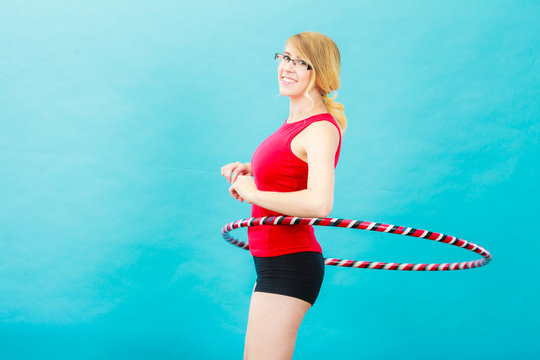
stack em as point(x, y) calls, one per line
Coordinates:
point(322, 131)
point(320, 137)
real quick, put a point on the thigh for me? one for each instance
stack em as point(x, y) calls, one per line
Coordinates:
point(273, 324)
point(298, 275)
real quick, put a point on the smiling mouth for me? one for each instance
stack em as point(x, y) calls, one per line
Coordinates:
point(288, 80)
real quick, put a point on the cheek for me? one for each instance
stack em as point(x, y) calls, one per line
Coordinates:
point(279, 72)
point(304, 80)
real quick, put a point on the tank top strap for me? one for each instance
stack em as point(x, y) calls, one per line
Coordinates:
point(295, 128)
point(298, 126)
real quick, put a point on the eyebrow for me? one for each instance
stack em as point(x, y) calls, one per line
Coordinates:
point(290, 55)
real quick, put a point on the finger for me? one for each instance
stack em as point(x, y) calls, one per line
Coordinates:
point(241, 170)
point(227, 173)
point(233, 192)
point(224, 170)
point(233, 172)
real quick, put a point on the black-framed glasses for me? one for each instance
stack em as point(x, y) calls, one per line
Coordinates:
point(287, 59)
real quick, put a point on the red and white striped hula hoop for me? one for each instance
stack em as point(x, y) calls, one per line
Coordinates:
point(372, 226)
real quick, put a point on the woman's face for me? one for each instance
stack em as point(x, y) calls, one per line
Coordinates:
point(293, 79)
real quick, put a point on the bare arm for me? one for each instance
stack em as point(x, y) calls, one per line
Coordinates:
point(321, 142)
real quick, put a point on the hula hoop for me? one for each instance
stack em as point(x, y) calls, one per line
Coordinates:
point(371, 226)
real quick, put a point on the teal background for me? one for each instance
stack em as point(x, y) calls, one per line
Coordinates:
point(116, 116)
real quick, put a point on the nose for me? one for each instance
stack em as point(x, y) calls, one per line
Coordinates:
point(288, 66)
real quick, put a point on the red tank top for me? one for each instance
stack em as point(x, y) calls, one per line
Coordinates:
point(276, 168)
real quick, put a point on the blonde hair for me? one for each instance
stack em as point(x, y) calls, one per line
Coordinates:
point(322, 54)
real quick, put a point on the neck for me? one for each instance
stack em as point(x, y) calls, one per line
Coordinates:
point(301, 107)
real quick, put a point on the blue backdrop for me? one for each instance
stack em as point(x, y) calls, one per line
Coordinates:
point(116, 116)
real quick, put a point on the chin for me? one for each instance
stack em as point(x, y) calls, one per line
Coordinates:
point(287, 92)
point(284, 93)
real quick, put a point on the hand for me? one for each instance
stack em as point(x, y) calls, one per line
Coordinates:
point(233, 170)
point(244, 188)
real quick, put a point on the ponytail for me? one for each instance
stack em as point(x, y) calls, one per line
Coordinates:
point(337, 110)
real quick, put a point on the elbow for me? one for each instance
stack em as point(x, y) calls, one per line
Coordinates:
point(323, 209)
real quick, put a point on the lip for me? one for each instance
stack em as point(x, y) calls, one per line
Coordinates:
point(287, 81)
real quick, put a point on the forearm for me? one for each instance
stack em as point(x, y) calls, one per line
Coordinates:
point(303, 203)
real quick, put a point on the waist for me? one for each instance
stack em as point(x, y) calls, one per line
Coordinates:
point(275, 240)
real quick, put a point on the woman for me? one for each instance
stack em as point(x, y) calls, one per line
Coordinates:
point(292, 173)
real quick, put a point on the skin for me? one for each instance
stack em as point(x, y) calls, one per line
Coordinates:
point(274, 319)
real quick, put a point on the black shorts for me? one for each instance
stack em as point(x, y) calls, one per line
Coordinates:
point(299, 275)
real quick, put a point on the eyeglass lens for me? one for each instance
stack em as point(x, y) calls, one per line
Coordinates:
point(295, 62)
